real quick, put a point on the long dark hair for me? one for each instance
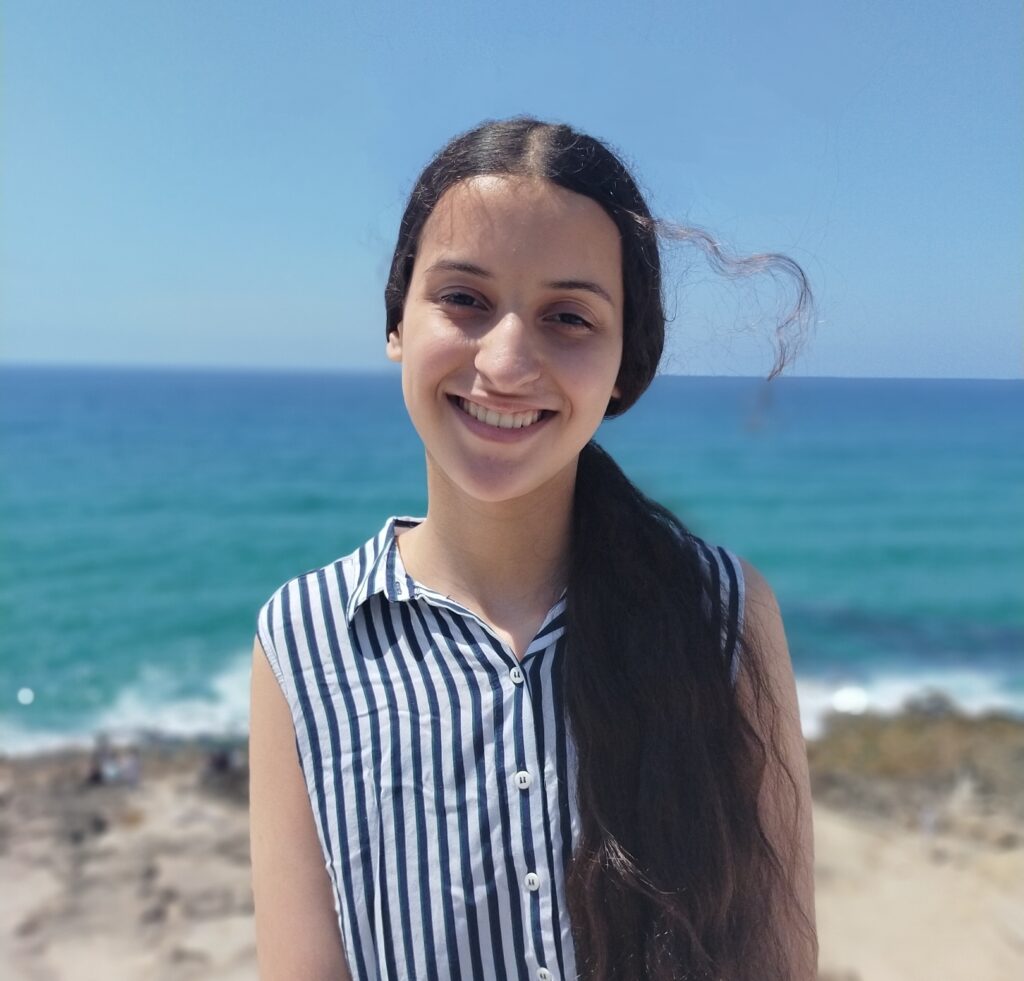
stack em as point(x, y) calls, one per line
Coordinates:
point(674, 875)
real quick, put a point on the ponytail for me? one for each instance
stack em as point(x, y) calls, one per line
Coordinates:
point(673, 876)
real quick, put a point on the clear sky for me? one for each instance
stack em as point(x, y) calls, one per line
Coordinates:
point(220, 183)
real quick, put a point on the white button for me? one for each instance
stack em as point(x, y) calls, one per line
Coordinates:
point(516, 675)
point(543, 974)
point(523, 779)
point(532, 881)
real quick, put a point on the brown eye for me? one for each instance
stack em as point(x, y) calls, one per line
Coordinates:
point(576, 321)
point(456, 299)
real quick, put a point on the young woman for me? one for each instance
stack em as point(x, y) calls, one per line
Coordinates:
point(545, 731)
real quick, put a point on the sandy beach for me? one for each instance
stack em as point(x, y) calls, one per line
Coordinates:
point(142, 873)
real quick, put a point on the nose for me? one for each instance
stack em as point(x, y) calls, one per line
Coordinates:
point(506, 354)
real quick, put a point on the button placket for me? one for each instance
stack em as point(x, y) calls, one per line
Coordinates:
point(527, 766)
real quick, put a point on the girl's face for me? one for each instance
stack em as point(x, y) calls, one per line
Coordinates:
point(511, 334)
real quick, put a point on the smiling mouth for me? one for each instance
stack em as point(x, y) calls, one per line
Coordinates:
point(500, 420)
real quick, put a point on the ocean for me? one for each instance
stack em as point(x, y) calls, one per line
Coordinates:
point(147, 514)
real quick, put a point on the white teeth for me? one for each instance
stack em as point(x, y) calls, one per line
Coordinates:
point(517, 420)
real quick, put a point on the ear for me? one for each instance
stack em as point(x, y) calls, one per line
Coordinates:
point(616, 392)
point(394, 345)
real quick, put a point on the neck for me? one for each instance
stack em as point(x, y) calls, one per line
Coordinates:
point(504, 557)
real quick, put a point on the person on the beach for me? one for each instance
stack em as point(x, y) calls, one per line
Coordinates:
point(544, 732)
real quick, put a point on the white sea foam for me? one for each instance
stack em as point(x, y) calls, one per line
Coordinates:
point(148, 708)
point(974, 692)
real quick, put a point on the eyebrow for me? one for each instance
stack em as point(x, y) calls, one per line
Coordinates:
point(453, 265)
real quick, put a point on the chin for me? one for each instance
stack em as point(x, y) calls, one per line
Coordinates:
point(500, 482)
point(496, 490)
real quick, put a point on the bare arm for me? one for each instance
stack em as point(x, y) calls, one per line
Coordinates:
point(785, 806)
point(296, 930)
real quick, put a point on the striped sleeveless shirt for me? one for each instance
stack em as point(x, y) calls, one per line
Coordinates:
point(439, 767)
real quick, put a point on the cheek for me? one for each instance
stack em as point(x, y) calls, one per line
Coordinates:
point(596, 369)
point(428, 357)
point(440, 349)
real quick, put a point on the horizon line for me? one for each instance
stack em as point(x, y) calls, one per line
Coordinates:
point(386, 370)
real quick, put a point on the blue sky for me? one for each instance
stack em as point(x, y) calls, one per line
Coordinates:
point(220, 183)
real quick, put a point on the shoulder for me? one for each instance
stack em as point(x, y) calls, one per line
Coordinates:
point(340, 573)
point(764, 618)
point(363, 568)
point(785, 795)
point(282, 609)
point(764, 629)
point(760, 594)
point(275, 610)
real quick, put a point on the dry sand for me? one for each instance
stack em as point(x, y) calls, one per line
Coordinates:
point(920, 865)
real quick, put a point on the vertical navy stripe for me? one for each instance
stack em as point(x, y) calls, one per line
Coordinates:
point(420, 869)
point(715, 589)
point(566, 794)
point(357, 635)
point(458, 788)
point(327, 716)
point(540, 668)
point(386, 940)
point(503, 780)
point(734, 604)
point(358, 813)
point(483, 793)
point(313, 758)
point(398, 753)
point(421, 652)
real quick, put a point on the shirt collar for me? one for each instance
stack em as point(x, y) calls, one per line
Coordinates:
point(382, 569)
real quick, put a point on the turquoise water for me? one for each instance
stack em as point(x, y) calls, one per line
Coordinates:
point(146, 515)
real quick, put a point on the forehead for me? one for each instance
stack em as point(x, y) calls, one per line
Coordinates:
point(525, 220)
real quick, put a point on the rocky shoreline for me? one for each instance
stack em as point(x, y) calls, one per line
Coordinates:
point(930, 767)
point(134, 863)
